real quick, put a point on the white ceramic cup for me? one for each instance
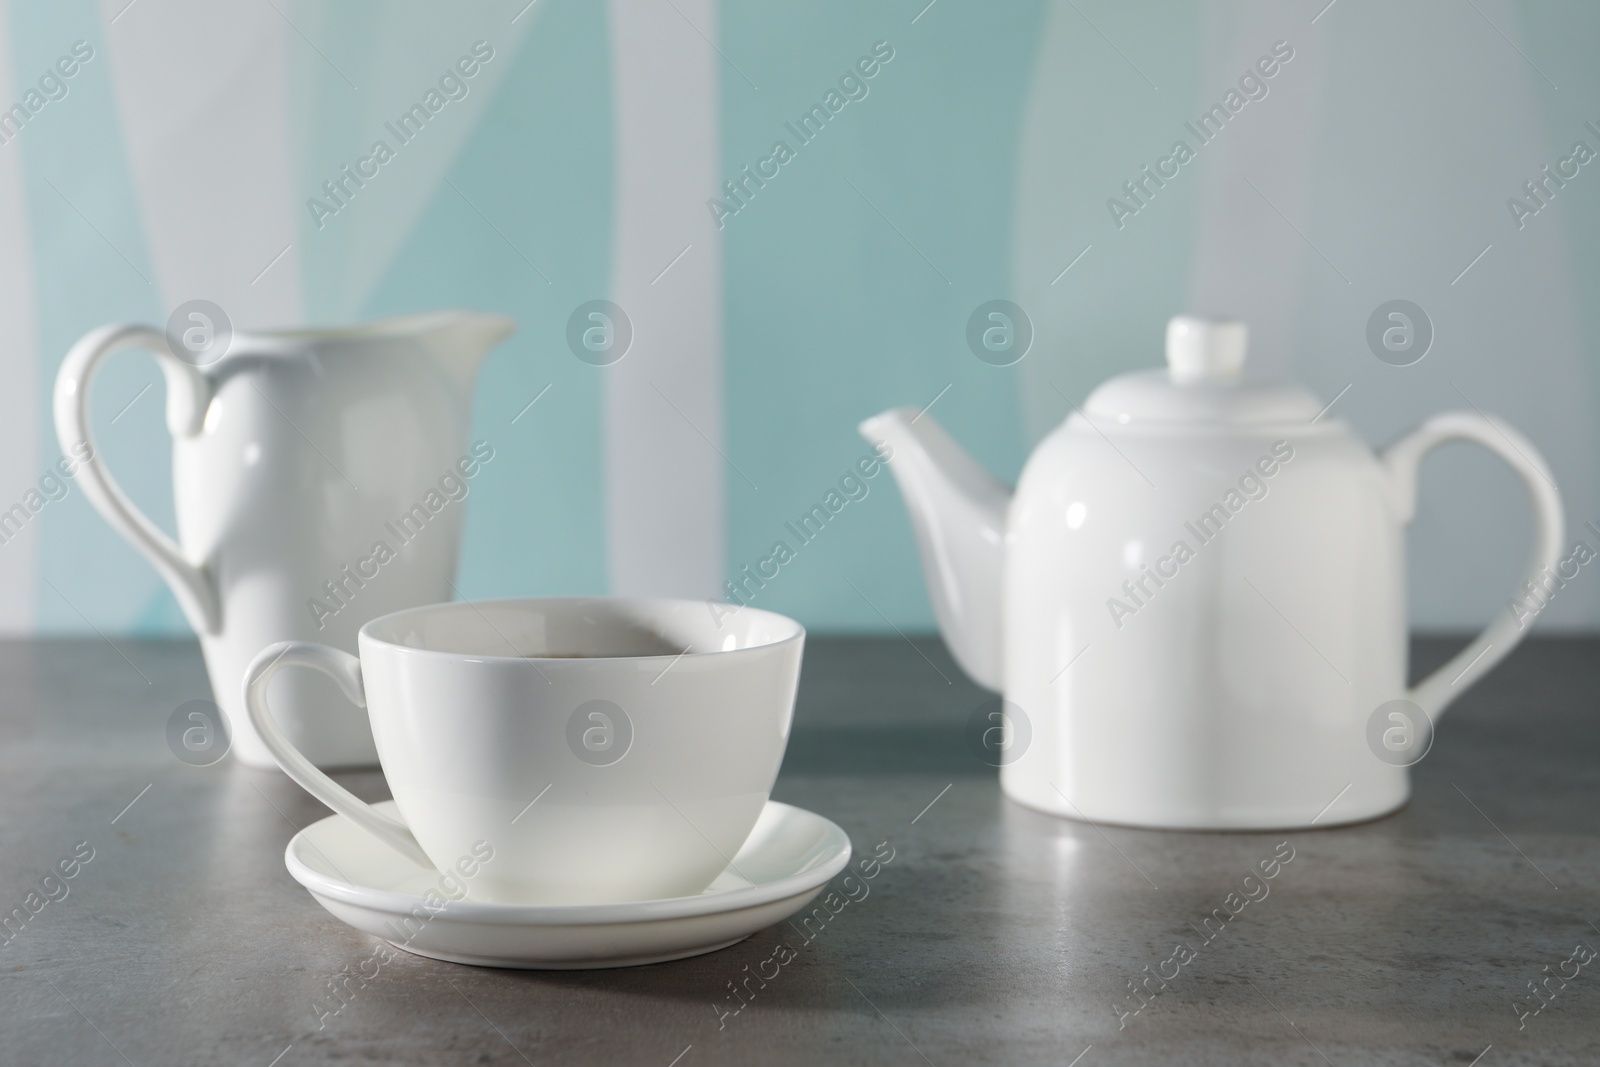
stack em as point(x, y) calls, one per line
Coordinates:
point(604, 749)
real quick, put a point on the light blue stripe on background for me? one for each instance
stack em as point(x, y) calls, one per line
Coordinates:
point(851, 275)
point(1094, 116)
point(85, 278)
point(538, 166)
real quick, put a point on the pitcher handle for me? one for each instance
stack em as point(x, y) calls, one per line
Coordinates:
point(1435, 692)
point(345, 669)
point(188, 394)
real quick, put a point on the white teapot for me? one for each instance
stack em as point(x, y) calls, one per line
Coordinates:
point(1194, 602)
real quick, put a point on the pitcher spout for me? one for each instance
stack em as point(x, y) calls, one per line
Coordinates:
point(958, 513)
point(458, 340)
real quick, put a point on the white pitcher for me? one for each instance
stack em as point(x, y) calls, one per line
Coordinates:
point(1194, 602)
point(318, 480)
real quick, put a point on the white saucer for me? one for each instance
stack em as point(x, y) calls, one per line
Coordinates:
point(790, 855)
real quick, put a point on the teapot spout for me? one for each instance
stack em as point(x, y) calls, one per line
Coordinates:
point(958, 512)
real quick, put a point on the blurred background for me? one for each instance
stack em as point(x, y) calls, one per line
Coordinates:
point(586, 158)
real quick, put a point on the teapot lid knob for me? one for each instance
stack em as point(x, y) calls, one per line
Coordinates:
point(1205, 350)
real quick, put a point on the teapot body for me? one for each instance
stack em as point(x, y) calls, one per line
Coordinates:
point(1194, 601)
point(1198, 623)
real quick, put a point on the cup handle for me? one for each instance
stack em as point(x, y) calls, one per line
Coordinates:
point(1435, 692)
point(188, 394)
point(345, 669)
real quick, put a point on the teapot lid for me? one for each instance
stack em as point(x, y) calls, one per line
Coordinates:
point(1202, 384)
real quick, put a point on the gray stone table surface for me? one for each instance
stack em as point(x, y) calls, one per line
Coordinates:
point(996, 934)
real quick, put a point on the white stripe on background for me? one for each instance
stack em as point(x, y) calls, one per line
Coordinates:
point(1243, 266)
point(20, 463)
point(1507, 338)
point(203, 100)
point(663, 433)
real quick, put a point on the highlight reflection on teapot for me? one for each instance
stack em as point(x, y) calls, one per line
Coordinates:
point(1196, 594)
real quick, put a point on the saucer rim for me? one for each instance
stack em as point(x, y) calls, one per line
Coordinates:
point(838, 851)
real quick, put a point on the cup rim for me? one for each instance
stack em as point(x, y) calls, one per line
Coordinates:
point(797, 632)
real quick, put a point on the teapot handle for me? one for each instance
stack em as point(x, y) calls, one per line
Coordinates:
point(188, 394)
point(1435, 692)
